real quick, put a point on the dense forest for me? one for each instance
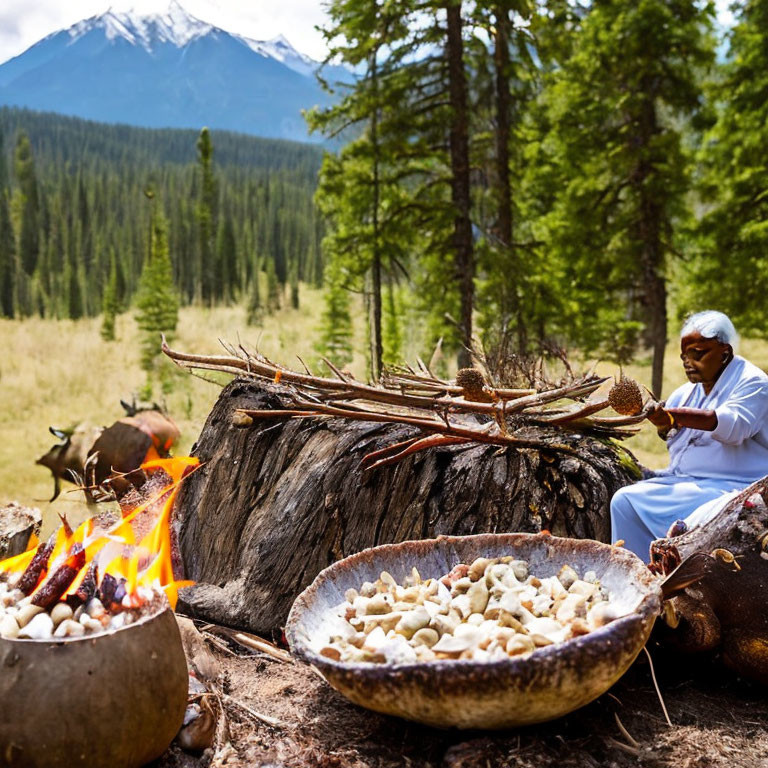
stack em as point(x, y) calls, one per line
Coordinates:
point(539, 172)
point(519, 175)
point(77, 202)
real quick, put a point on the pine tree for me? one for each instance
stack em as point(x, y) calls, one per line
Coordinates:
point(206, 217)
point(335, 341)
point(29, 238)
point(157, 302)
point(293, 280)
point(226, 259)
point(729, 270)
point(111, 304)
point(255, 309)
point(615, 155)
point(7, 242)
point(273, 288)
point(74, 288)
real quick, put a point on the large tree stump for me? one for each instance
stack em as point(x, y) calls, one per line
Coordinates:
point(278, 501)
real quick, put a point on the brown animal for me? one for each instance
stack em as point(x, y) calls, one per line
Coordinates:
point(114, 454)
point(66, 459)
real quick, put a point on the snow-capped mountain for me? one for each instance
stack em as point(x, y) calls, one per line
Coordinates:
point(167, 69)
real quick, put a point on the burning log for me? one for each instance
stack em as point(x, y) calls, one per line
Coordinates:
point(65, 604)
point(106, 592)
point(58, 583)
point(87, 588)
point(37, 567)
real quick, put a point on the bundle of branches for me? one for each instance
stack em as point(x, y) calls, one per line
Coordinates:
point(445, 413)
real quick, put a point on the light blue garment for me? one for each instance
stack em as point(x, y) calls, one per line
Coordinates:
point(706, 469)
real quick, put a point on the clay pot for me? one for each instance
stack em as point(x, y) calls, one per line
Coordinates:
point(115, 700)
point(462, 693)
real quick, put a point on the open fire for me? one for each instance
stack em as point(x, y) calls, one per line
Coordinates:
point(95, 579)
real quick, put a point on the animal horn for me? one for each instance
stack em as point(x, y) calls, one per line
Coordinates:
point(56, 488)
point(61, 434)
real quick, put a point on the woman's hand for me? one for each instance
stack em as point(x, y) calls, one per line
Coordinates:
point(659, 416)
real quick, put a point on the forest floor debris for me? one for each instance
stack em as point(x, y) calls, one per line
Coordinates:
point(717, 720)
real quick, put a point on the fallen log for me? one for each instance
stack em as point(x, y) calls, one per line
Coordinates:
point(740, 527)
point(717, 577)
point(279, 499)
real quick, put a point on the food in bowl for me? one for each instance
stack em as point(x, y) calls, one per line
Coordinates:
point(491, 609)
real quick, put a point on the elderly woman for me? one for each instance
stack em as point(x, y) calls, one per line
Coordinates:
point(716, 429)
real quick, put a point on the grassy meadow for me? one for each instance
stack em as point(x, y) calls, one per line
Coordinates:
point(60, 372)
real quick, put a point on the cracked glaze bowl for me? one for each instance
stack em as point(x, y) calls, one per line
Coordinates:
point(462, 693)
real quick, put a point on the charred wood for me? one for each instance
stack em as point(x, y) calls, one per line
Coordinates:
point(37, 567)
point(61, 579)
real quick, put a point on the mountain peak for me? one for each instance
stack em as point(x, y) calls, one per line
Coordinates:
point(173, 25)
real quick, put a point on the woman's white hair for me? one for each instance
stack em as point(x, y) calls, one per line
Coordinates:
point(711, 325)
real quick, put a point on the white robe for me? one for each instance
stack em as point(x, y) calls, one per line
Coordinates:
point(706, 469)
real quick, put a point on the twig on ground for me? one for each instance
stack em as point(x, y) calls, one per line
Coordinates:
point(656, 686)
point(625, 733)
point(267, 719)
point(252, 642)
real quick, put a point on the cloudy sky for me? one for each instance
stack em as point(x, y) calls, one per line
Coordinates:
point(24, 22)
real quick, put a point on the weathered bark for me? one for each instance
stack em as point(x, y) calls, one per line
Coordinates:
point(464, 258)
point(17, 524)
point(277, 502)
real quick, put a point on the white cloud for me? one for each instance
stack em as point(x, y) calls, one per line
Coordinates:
point(24, 22)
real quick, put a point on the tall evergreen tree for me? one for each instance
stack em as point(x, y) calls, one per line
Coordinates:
point(458, 142)
point(730, 269)
point(226, 259)
point(336, 326)
point(157, 307)
point(7, 242)
point(255, 308)
point(206, 216)
point(29, 238)
point(111, 304)
point(615, 155)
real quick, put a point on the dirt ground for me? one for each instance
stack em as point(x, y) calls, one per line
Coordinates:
point(717, 720)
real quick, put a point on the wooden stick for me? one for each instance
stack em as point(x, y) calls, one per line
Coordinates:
point(267, 719)
point(433, 441)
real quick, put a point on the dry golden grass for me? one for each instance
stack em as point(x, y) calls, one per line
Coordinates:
point(60, 372)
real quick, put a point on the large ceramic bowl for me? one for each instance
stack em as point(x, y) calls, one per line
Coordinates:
point(114, 700)
point(461, 693)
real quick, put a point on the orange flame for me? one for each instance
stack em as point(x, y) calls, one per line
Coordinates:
point(146, 564)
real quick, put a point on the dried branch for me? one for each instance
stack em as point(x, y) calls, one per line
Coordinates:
point(443, 412)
